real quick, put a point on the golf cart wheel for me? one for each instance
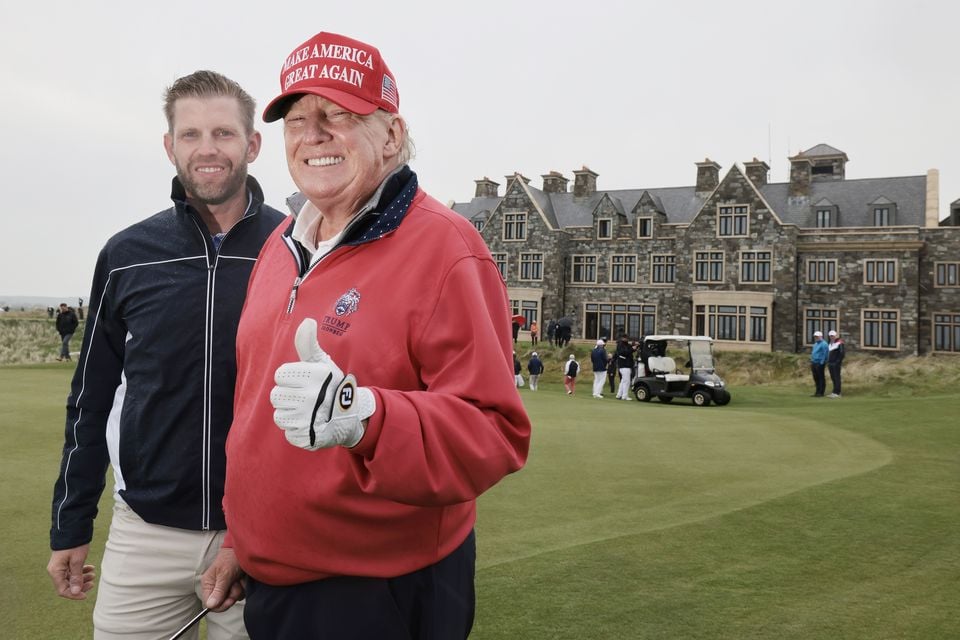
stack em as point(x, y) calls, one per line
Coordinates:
point(642, 393)
point(666, 399)
point(700, 398)
point(721, 397)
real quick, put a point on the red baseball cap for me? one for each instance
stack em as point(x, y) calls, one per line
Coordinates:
point(340, 69)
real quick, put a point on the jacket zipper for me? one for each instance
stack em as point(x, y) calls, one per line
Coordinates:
point(208, 367)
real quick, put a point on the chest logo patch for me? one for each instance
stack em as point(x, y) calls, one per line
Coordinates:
point(347, 303)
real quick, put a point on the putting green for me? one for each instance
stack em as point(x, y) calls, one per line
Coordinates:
point(665, 466)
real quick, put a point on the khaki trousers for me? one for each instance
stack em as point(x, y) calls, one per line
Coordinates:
point(150, 582)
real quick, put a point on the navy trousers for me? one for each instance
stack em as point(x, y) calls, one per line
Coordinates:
point(835, 376)
point(819, 378)
point(434, 603)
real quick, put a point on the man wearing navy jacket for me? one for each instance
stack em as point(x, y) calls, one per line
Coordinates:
point(152, 395)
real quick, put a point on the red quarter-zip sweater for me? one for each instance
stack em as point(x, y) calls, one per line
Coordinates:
point(420, 315)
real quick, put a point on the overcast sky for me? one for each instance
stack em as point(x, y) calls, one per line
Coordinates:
point(637, 91)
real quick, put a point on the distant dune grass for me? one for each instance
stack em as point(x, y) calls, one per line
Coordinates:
point(30, 337)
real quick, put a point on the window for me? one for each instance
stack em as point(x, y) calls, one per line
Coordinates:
point(515, 226)
point(501, 260)
point(821, 272)
point(604, 228)
point(881, 217)
point(584, 269)
point(708, 266)
point(623, 269)
point(664, 268)
point(531, 266)
point(824, 218)
point(526, 308)
point(822, 320)
point(737, 323)
point(755, 266)
point(946, 332)
point(610, 321)
point(946, 274)
point(881, 329)
point(644, 227)
point(479, 224)
point(732, 220)
point(880, 272)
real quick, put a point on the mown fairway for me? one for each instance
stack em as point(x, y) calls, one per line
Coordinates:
point(778, 516)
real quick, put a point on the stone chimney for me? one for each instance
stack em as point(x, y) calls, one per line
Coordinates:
point(932, 218)
point(757, 171)
point(554, 182)
point(584, 182)
point(800, 174)
point(510, 177)
point(708, 177)
point(486, 188)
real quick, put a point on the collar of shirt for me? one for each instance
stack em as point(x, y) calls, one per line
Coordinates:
point(308, 219)
point(218, 237)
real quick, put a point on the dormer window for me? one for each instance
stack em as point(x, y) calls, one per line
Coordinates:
point(824, 218)
point(604, 228)
point(644, 227)
point(883, 212)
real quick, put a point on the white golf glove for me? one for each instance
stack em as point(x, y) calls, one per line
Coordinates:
point(314, 403)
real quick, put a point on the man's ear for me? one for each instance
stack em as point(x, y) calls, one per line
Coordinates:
point(168, 147)
point(253, 146)
point(395, 134)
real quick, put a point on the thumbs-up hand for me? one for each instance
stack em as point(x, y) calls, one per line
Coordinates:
point(314, 403)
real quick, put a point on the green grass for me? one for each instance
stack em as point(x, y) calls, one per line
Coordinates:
point(779, 516)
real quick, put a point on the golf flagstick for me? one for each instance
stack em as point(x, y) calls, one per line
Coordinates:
point(192, 622)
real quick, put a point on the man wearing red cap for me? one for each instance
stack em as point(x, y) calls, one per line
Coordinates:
point(361, 441)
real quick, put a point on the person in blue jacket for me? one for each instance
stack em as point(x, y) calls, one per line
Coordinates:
point(818, 362)
point(535, 368)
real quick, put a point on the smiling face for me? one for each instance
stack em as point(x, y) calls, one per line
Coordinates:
point(338, 158)
point(210, 148)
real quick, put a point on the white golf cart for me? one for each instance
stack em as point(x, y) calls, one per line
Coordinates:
point(659, 377)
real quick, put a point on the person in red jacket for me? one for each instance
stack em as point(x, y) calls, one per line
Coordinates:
point(360, 441)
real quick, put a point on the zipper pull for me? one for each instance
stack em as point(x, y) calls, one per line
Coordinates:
point(293, 294)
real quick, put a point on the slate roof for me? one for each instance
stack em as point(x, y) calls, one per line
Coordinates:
point(852, 197)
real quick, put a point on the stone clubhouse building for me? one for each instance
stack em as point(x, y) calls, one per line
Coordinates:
point(756, 265)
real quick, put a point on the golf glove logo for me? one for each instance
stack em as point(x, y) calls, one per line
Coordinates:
point(315, 404)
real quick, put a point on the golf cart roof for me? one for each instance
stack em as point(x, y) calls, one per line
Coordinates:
point(678, 338)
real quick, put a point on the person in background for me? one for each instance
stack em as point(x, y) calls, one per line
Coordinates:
point(818, 360)
point(365, 426)
point(598, 358)
point(517, 368)
point(152, 395)
point(570, 370)
point(836, 350)
point(551, 332)
point(612, 372)
point(625, 364)
point(533, 333)
point(67, 323)
point(534, 368)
